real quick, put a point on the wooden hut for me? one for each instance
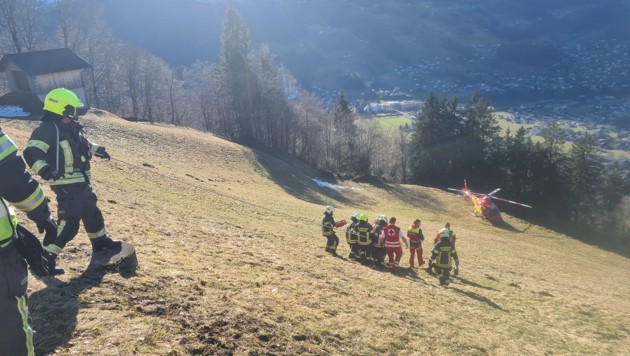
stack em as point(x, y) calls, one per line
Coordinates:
point(39, 72)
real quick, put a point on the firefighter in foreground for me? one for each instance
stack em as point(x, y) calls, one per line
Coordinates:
point(414, 233)
point(441, 257)
point(17, 244)
point(391, 236)
point(59, 153)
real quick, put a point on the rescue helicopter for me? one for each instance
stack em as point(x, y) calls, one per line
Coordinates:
point(483, 205)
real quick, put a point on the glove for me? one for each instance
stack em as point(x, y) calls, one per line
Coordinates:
point(47, 173)
point(102, 153)
point(29, 247)
point(50, 228)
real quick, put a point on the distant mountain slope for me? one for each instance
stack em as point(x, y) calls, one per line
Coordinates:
point(232, 262)
point(417, 45)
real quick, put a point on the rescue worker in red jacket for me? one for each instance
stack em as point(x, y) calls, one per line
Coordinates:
point(17, 244)
point(391, 236)
point(364, 241)
point(59, 153)
point(445, 230)
point(441, 256)
point(414, 233)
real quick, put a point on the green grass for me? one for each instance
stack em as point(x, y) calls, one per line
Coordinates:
point(387, 122)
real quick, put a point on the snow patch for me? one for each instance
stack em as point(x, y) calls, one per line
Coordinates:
point(13, 111)
point(321, 183)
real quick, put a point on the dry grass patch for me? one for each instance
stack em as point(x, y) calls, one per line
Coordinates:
point(232, 261)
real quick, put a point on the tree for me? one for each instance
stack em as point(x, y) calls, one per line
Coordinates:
point(346, 137)
point(234, 79)
point(433, 142)
point(21, 23)
point(585, 169)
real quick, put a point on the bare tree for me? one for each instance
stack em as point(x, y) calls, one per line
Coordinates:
point(17, 21)
point(131, 74)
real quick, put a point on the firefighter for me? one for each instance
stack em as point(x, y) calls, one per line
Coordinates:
point(391, 236)
point(441, 257)
point(378, 249)
point(352, 237)
point(364, 241)
point(328, 230)
point(445, 230)
point(17, 244)
point(59, 152)
point(414, 233)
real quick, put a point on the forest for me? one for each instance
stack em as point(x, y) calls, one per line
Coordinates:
point(247, 98)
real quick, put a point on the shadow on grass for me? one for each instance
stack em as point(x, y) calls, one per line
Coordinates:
point(54, 309)
point(509, 227)
point(293, 176)
point(479, 297)
point(472, 284)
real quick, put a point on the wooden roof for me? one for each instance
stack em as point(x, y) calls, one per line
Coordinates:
point(45, 62)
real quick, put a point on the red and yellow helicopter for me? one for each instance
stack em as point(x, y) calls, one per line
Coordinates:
point(483, 205)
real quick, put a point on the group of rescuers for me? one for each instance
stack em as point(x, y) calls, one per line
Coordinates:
point(60, 154)
point(370, 243)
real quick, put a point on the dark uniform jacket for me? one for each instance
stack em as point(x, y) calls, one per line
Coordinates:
point(328, 224)
point(442, 253)
point(363, 230)
point(17, 186)
point(60, 148)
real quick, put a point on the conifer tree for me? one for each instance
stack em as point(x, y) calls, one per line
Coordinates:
point(584, 168)
point(234, 80)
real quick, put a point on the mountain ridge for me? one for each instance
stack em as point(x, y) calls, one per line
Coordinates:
point(360, 46)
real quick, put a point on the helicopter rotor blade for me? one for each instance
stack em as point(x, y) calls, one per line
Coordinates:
point(494, 192)
point(510, 201)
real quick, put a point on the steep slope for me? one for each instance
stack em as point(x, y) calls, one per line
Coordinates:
point(231, 261)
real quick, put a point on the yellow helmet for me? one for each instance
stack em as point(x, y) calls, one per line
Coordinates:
point(363, 217)
point(63, 102)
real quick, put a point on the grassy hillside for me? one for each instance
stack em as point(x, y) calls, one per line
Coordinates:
point(232, 261)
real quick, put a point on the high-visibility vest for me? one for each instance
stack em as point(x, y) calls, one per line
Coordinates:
point(7, 147)
point(8, 222)
point(351, 234)
point(363, 230)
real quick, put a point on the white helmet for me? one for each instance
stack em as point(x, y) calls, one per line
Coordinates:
point(330, 209)
point(381, 217)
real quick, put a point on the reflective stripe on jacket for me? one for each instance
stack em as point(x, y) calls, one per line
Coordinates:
point(8, 222)
point(392, 235)
point(60, 147)
point(363, 230)
point(328, 224)
point(351, 234)
point(415, 234)
point(442, 253)
point(7, 147)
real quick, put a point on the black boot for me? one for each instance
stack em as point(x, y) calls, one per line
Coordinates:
point(104, 243)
